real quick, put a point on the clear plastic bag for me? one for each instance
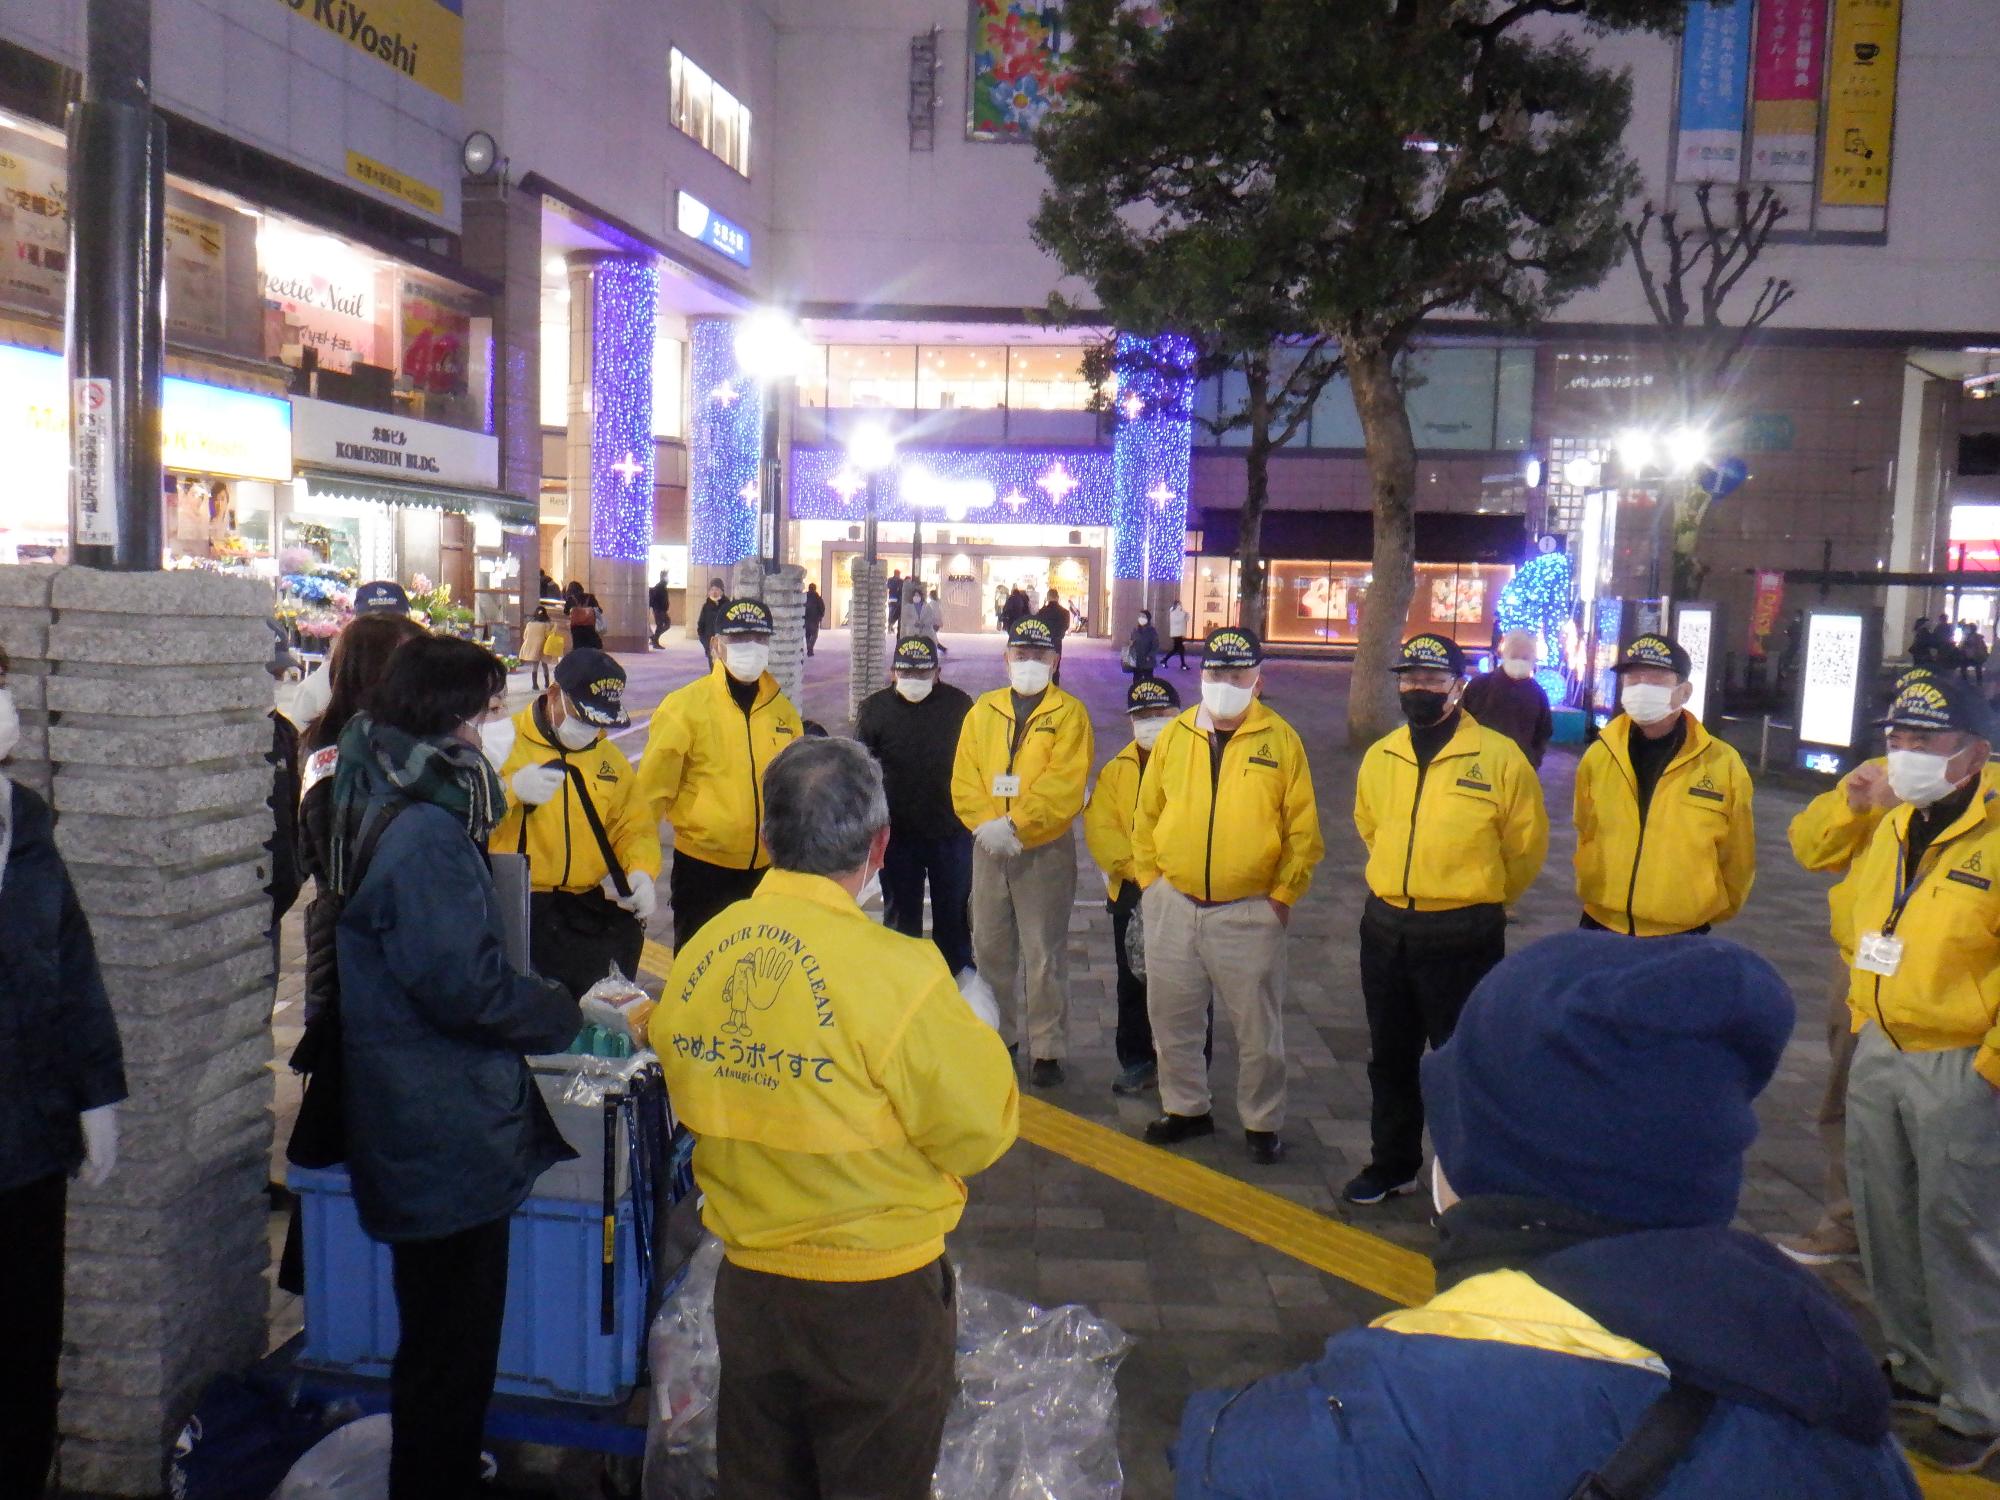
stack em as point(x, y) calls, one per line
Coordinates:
point(1036, 1416)
point(350, 1464)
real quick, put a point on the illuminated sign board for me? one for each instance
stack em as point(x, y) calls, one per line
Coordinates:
point(1832, 676)
point(700, 222)
point(1694, 629)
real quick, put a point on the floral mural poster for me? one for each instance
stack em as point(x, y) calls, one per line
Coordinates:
point(1017, 51)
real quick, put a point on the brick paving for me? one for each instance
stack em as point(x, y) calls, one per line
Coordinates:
point(1205, 1306)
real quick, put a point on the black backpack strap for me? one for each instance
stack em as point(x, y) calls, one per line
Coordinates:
point(1661, 1440)
point(364, 852)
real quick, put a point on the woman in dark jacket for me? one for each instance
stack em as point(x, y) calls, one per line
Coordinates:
point(446, 1131)
point(61, 1078)
point(710, 619)
point(1144, 647)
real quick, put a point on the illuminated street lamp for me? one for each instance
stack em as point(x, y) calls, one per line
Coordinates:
point(770, 349)
point(1675, 455)
point(871, 449)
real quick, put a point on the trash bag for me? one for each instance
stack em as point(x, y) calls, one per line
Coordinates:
point(1036, 1414)
point(244, 1436)
point(979, 995)
point(351, 1464)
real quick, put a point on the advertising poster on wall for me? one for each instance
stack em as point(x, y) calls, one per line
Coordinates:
point(1770, 599)
point(437, 336)
point(317, 296)
point(1784, 115)
point(1018, 65)
point(34, 229)
point(1860, 103)
point(1715, 78)
point(197, 290)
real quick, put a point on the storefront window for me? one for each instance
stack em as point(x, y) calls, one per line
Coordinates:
point(961, 379)
point(879, 376)
point(812, 379)
point(1451, 395)
point(1321, 603)
point(1514, 411)
point(1042, 378)
point(705, 111)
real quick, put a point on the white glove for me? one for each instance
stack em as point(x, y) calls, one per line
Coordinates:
point(100, 1145)
point(535, 785)
point(642, 901)
point(998, 838)
point(979, 995)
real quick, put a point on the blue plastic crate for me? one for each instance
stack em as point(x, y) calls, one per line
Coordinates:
point(550, 1345)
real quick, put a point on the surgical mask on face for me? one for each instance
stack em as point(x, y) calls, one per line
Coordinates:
point(1226, 700)
point(1028, 677)
point(914, 689)
point(746, 662)
point(1145, 731)
point(10, 724)
point(1919, 777)
point(1423, 707)
point(574, 733)
point(871, 888)
point(1517, 667)
point(1646, 702)
point(496, 741)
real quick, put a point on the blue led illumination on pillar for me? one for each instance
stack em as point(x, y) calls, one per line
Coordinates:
point(725, 449)
point(1152, 456)
point(625, 316)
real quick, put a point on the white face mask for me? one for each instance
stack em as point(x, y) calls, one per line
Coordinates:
point(574, 733)
point(496, 741)
point(914, 689)
point(1028, 677)
point(1646, 702)
point(1919, 777)
point(1146, 730)
point(1517, 667)
point(746, 662)
point(1225, 700)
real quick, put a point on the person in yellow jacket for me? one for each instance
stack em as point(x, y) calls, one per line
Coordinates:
point(565, 782)
point(703, 769)
point(1452, 817)
point(1923, 1094)
point(1225, 844)
point(1108, 817)
point(1017, 782)
point(840, 1090)
point(1665, 841)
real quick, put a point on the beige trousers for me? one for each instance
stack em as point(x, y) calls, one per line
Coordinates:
point(1020, 929)
point(1240, 950)
point(1839, 1211)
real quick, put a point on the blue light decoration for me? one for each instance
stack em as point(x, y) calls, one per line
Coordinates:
point(727, 448)
point(1028, 486)
point(624, 321)
point(1152, 455)
point(1541, 598)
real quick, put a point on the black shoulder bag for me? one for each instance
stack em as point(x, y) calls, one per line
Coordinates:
point(1643, 1462)
point(575, 937)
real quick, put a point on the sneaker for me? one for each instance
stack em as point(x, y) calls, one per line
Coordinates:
point(1954, 1452)
point(1825, 1243)
point(1171, 1130)
point(1266, 1150)
point(1142, 1079)
point(1046, 1073)
point(1372, 1185)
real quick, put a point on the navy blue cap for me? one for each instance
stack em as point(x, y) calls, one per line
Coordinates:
point(914, 654)
point(1149, 694)
point(1030, 631)
point(1430, 652)
point(381, 598)
point(1926, 701)
point(1657, 653)
point(1232, 646)
point(745, 617)
point(595, 682)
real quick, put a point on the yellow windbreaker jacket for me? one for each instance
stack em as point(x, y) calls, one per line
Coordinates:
point(1053, 762)
point(1946, 991)
point(1468, 830)
point(1108, 818)
point(562, 852)
point(1695, 856)
point(703, 770)
point(839, 1087)
point(1249, 828)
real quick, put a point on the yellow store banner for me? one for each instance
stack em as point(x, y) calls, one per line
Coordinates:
point(1860, 103)
point(421, 39)
point(413, 191)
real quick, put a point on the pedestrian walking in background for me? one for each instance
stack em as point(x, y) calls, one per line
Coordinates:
point(1018, 608)
point(446, 1131)
point(911, 728)
point(585, 617)
point(1225, 842)
point(658, 601)
point(703, 769)
point(1108, 819)
point(1923, 646)
point(1018, 779)
point(896, 602)
point(1598, 1328)
point(1143, 649)
point(710, 618)
point(815, 616)
point(934, 623)
point(571, 794)
point(534, 648)
point(833, 1182)
point(1177, 630)
point(1510, 700)
point(1665, 840)
point(62, 1077)
point(1452, 817)
point(1973, 650)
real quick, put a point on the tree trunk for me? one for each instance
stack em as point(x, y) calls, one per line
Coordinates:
point(1392, 474)
point(1256, 495)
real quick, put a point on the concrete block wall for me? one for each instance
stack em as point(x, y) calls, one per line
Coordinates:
point(784, 594)
point(144, 703)
point(868, 660)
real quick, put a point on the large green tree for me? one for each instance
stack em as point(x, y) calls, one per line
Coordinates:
point(1259, 168)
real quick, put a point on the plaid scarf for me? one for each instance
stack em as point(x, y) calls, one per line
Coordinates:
point(376, 760)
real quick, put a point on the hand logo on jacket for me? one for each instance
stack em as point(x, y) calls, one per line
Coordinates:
point(753, 986)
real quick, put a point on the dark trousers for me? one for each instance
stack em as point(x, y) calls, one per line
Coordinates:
point(31, 1307)
point(1176, 652)
point(1133, 1041)
point(661, 624)
point(832, 1390)
point(698, 890)
point(451, 1296)
point(947, 864)
point(812, 639)
point(1416, 976)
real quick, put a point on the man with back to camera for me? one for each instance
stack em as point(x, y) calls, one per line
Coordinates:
point(911, 727)
point(1452, 817)
point(1224, 844)
point(840, 1090)
point(1510, 700)
point(1017, 782)
point(1665, 841)
point(657, 600)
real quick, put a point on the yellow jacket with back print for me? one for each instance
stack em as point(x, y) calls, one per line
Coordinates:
point(562, 851)
point(1470, 829)
point(1052, 758)
point(703, 770)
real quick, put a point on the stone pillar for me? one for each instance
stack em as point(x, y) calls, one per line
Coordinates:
point(784, 594)
point(154, 697)
point(614, 318)
point(868, 657)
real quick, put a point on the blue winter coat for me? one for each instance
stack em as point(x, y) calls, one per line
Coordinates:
point(1490, 1411)
point(445, 1127)
point(59, 1053)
